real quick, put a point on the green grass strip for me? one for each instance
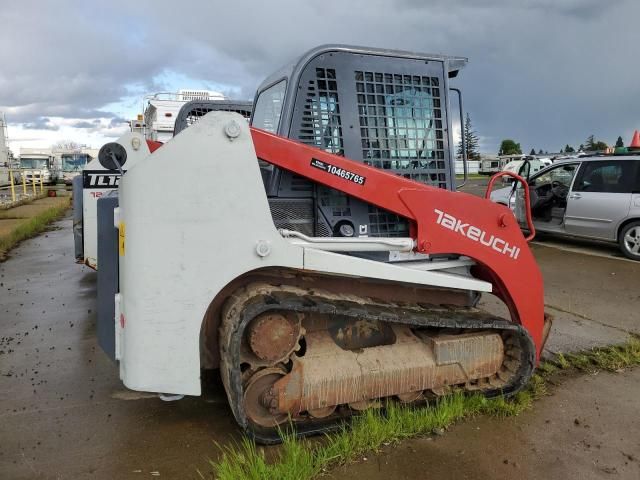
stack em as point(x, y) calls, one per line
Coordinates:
point(31, 227)
point(305, 459)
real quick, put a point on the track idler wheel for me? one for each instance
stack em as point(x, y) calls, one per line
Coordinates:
point(260, 402)
point(272, 337)
point(322, 412)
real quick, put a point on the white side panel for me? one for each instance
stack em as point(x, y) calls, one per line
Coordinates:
point(322, 261)
point(185, 243)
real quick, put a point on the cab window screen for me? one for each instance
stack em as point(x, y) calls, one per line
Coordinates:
point(268, 110)
point(613, 176)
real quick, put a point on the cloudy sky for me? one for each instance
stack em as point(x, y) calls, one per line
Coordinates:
point(543, 72)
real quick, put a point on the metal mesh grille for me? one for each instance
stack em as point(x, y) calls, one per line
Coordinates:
point(401, 128)
point(383, 223)
point(191, 112)
point(195, 113)
point(321, 125)
point(296, 214)
point(371, 110)
point(401, 125)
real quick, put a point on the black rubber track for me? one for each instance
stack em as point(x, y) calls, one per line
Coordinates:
point(290, 298)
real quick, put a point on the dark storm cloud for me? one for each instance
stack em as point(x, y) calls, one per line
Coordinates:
point(84, 124)
point(41, 123)
point(545, 72)
point(116, 122)
point(571, 8)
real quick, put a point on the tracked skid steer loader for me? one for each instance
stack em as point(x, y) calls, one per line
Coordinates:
point(320, 257)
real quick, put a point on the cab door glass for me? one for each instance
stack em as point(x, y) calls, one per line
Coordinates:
point(563, 174)
point(268, 108)
point(557, 178)
point(607, 176)
point(601, 198)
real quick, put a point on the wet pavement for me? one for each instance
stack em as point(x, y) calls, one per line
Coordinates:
point(64, 413)
point(588, 428)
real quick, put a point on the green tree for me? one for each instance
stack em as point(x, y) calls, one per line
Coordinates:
point(561, 150)
point(540, 152)
point(568, 149)
point(532, 152)
point(581, 148)
point(509, 147)
point(471, 140)
point(593, 145)
point(619, 143)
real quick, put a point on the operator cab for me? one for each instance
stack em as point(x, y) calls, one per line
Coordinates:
point(384, 108)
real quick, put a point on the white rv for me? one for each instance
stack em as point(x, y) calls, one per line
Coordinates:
point(72, 163)
point(38, 165)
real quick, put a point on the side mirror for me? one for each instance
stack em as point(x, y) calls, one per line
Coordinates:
point(112, 156)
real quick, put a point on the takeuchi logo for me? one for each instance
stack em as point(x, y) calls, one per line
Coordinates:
point(476, 234)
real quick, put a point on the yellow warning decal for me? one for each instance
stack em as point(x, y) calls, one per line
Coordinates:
point(121, 239)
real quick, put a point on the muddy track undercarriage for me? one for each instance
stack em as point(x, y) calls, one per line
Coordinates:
point(311, 358)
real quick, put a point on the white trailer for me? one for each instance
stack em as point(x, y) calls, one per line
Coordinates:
point(95, 183)
point(161, 110)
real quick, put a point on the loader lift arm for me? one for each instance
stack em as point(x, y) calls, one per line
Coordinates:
point(442, 222)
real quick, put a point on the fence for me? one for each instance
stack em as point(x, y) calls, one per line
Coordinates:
point(18, 187)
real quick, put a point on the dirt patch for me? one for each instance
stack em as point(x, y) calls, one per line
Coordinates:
point(8, 225)
point(33, 208)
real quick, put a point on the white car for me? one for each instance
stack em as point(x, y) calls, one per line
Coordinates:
point(520, 167)
point(546, 162)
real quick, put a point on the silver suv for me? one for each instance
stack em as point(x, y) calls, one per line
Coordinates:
point(589, 197)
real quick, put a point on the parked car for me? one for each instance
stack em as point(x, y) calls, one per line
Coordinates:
point(590, 197)
point(546, 162)
point(525, 168)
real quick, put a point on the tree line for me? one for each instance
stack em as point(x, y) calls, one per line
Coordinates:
point(509, 146)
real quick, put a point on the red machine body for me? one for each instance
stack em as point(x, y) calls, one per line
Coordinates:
point(442, 222)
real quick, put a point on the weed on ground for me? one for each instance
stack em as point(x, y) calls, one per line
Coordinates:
point(31, 227)
point(305, 459)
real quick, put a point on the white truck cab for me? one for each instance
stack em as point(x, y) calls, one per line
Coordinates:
point(38, 166)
